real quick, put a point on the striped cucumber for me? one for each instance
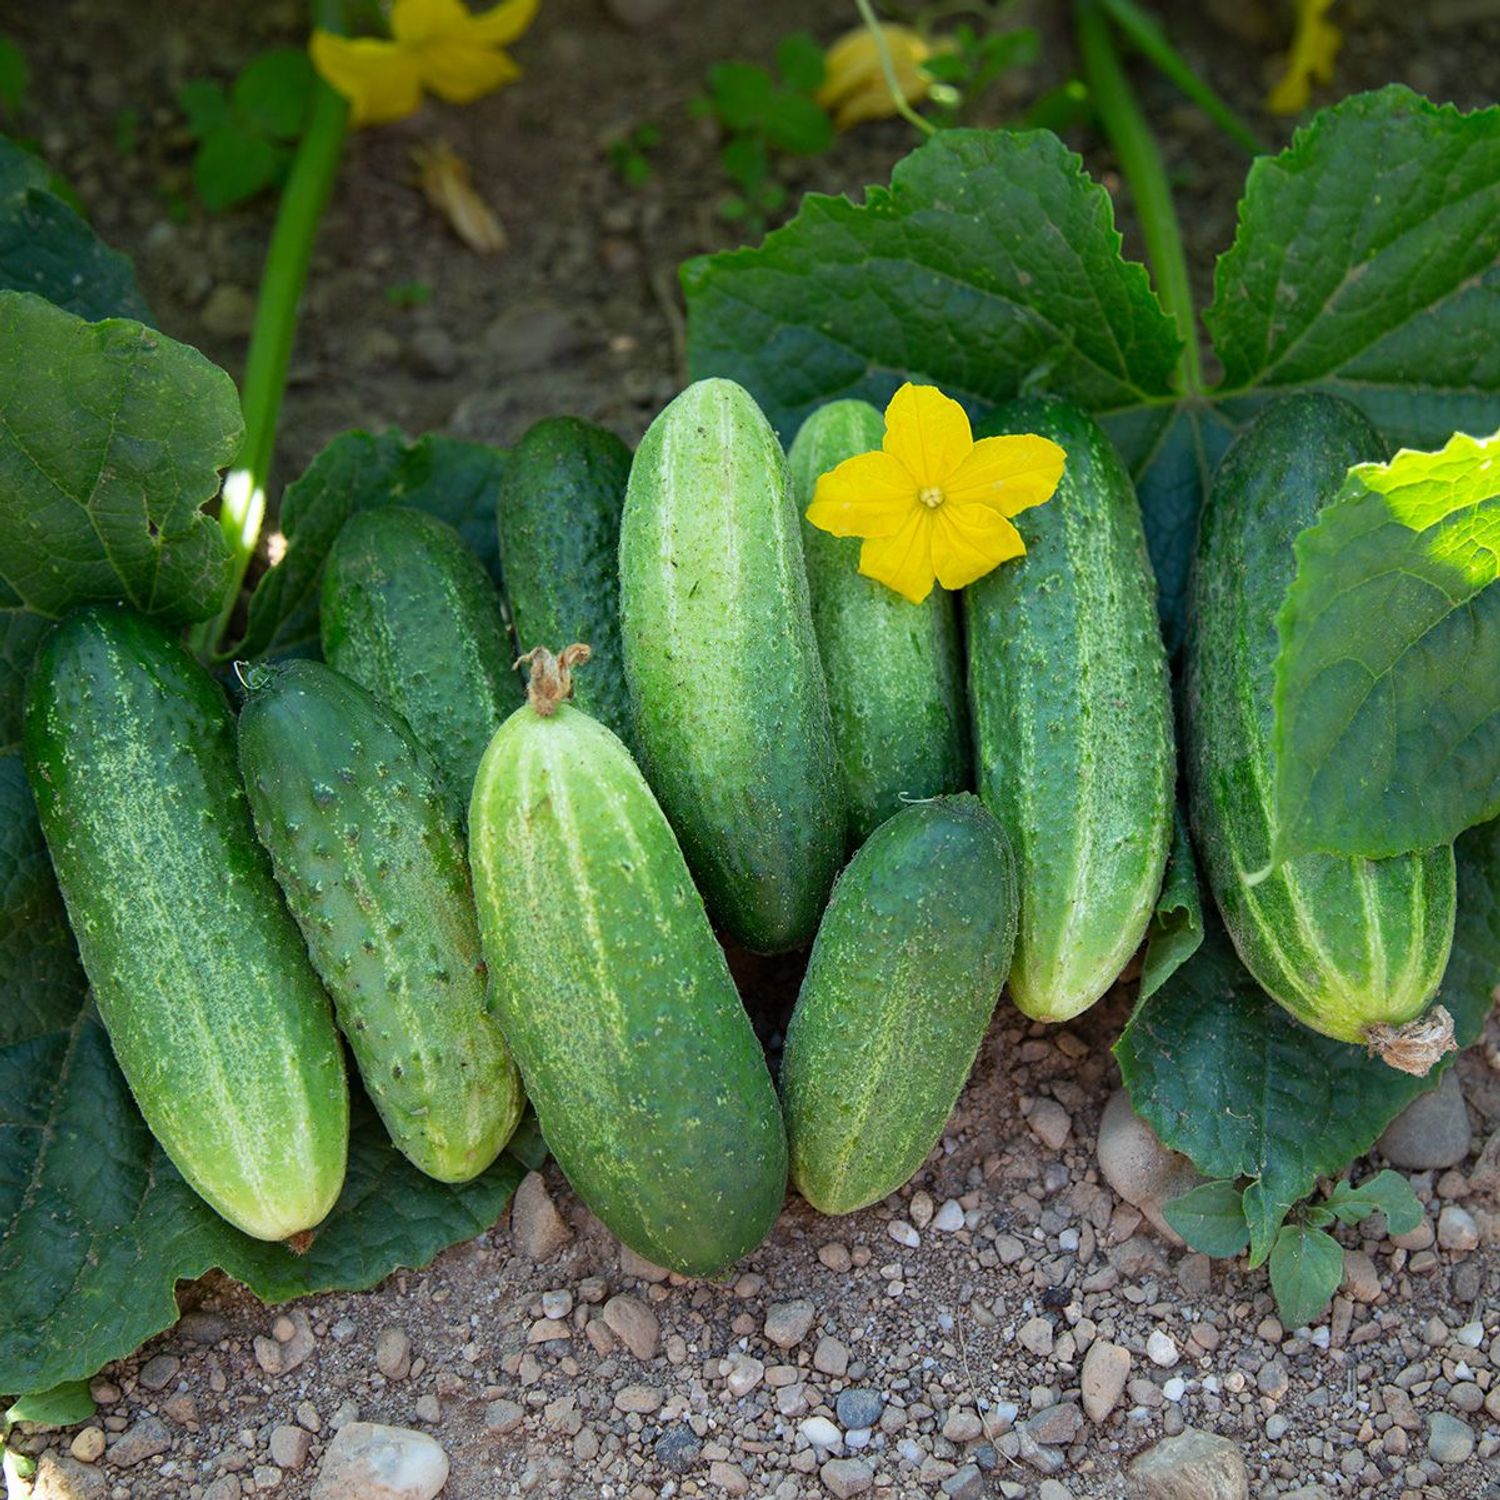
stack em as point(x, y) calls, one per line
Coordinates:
point(1344, 944)
point(216, 1017)
point(731, 710)
point(351, 809)
point(410, 614)
point(650, 1086)
point(894, 669)
point(1073, 720)
point(898, 993)
point(559, 522)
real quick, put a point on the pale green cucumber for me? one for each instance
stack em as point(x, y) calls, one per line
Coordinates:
point(894, 669)
point(648, 1081)
point(1343, 944)
point(215, 1015)
point(898, 993)
point(1073, 719)
point(350, 808)
point(731, 709)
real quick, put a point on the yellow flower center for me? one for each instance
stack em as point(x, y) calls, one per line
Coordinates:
point(931, 496)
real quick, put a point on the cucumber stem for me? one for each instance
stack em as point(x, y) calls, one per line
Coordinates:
point(551, 677)
point(242, 503)
point(888, 67)
point(1140, 161)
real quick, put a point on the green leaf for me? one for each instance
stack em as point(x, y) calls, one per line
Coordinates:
point(42, 982)
point(233, 164)
point(797, 124)
point(1176, 930)
point(1224, 1075)
point(47, 249)
point(112, 437)
point(21, 632)
point(271, 96)
point(96, 1227)
point(1307, 1267)
point(990, 266)
point(454, 480)
point(64, 1405)
point(744, 160)
point(1367, 262)
point(15, 76)
point(1386, 1192)
point(1388, 677)
point(799, 60)
point(205, 104)
point(741, 94)
point(1211, 1218)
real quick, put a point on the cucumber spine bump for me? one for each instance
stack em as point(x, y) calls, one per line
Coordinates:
point(894, 669)
point(647, 1078)
point(217, 1019)
point(1354, 948)
point(1072, 708)
point(731, 710)
point(351, 810)
point(899, 991)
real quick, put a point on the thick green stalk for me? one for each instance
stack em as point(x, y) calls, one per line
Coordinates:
point(1144, 33)
point(242, 504)
point(1140, 160)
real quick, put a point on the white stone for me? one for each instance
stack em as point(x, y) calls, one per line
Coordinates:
point(821, 1433)
point(1161, 1349)
point(903, 1234)
point(369, 1461)
point(949, 1219)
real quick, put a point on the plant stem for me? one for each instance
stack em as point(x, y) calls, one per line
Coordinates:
point(242, 504)
point(1140, 161)
point(867, 15)
point(1145, 34)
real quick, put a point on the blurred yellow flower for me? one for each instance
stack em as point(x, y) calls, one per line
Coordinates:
point(854, 86)
point(434, 44)
point(932, 503)
point(1315, 45)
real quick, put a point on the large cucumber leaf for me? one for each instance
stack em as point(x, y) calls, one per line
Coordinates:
point(1388, 678)
point(47, 249)
point(457, 481)
point(112, 438)
point(96, 1226)
point(1367, 262)
point(1223, 1074)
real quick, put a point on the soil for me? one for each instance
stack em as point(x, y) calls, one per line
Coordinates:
point(979, 1333)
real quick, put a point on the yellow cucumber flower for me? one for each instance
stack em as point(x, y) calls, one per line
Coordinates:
point(932, 503)
point(434, 44)
point(854, 87)
point(1315, 45)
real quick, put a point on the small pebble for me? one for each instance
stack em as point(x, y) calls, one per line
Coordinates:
point(949, 1219)
point(1050, 1122)
point(903, 1234)
point(820, 1432)
point(1161, 1349)
point(859, 1407)
point(1456, 1229)
point(787, 1323)
point(88, 1445)
point(1449, 1440)
point(393, 1353)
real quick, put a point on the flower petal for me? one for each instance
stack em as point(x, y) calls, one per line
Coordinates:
point(1009, 474)
point(503, 23)
point(927, 432)
point(460, 72)
point(416, 21)
point(969, 541)
point(903, 561)
point(867, 495)
point(377, 77)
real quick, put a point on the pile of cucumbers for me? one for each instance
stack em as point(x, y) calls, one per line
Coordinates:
point(501, 886)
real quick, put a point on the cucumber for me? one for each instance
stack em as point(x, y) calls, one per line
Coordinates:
point(1343, 944)
point(731, 711)
point(351, 810)
point(614, 995)
point(901, 985)
point(409, 613)
point(894, 669)
point(216, 1018)
point(559, 523)
point(1072, 712)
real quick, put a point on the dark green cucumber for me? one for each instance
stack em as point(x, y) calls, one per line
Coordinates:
point(559, 522)
point(731, 710)
point(219, 1024)
point(1343, 944)
point(351, 809)
point(1073, 719)
point(410, 614)
point(898, 993)
point(894, 669)
point(648, 1081)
